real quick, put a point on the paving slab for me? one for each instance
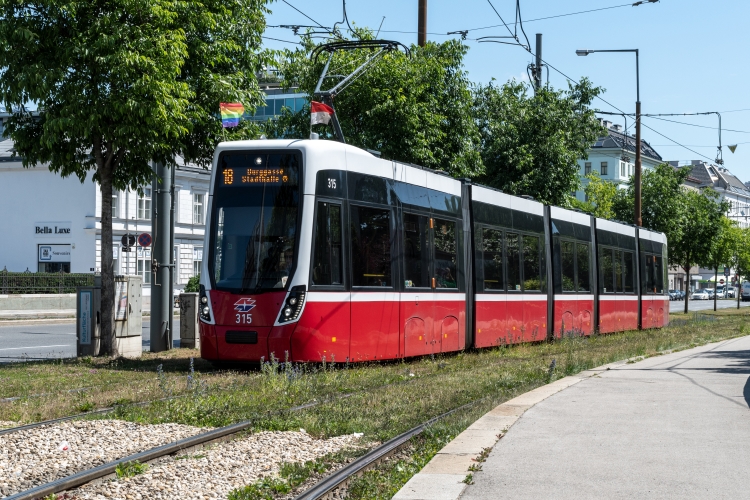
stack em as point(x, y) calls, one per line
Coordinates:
point(432, 487)
point(671, 426)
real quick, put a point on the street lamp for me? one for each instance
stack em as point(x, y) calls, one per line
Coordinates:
point(585, 52)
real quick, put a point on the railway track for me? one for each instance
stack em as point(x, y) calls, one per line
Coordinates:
point(188, 445)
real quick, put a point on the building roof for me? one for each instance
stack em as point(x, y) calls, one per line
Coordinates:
point(718, 177)
point(616, 139)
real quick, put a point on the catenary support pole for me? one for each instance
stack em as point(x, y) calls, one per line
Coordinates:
point(422, 28)
point(160, 257)
point(538, 67)
point(172, 259)
point(638, 218)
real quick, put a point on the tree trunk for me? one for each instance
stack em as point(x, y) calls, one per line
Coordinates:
point(739, 286)
point(687, 285)
point(716, 284)
point(108, 347)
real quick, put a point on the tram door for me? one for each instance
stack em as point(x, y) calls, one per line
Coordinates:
point(418, 298)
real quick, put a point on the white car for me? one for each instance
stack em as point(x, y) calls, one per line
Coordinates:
point(699, 295)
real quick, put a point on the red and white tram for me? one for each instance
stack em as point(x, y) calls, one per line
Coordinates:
point(319, 250)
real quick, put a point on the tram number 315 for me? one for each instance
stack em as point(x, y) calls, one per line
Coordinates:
point(331, 183)
point(243, 319)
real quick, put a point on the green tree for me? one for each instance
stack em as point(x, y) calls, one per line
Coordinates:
point(699, 223)
point(120, 84)
point(739, 255)
point(531, 144)
point(722, 248)
point(601, 195)
point(662, 197)
point(415, 110)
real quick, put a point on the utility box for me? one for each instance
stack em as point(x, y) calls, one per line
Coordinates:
point(127, 314)
point(189, 336)
point(88, 319)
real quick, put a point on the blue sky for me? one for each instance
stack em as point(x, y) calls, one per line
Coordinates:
point(693, 56)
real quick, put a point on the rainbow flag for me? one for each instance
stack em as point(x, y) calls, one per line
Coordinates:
point(231, 112)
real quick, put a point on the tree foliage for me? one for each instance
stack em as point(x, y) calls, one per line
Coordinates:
point(122, 83)
point(415, 110)
point(600, 195)
point(531, 144)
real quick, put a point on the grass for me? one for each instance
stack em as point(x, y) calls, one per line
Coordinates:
point(385, 399)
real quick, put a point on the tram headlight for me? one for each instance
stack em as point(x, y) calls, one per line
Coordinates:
point(293, 306)
point(204, 309)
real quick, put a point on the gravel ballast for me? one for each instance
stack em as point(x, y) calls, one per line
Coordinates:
point(37, 456)
point(213, 472)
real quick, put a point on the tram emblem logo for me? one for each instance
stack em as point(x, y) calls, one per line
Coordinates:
point(244, 305)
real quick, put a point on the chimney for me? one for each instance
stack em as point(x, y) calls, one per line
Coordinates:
point(607, 123)
point(617, 127)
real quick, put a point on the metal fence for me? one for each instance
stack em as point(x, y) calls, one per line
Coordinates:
point(27, 282)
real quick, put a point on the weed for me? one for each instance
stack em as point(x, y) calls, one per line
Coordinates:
point(188, 457)
point(130, 469)
point(482, 457)
point(469, 479)
point(263, 489)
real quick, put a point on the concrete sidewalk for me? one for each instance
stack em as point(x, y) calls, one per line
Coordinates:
point(672, 426)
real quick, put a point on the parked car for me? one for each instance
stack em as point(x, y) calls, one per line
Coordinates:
point(702, 294)
point(731, 292)
point(674, 295)
point(745, 291)
point(710, 292)
point(682, 294)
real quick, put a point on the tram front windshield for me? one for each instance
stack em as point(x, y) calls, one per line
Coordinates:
point(254, 216)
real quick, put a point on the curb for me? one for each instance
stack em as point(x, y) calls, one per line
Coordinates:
point(443, 477)
point(50, 320)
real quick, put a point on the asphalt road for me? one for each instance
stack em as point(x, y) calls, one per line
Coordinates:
point(677, 306)
point(56, 340)
point(672, 426)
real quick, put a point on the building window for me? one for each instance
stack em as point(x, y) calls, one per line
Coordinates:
point(197, 260)
point(622, 169)
point(115, 205)
point(587, 168)
point(604, 168)
point(144, 204)
point(198, 211)
point(144, 265)
point(586, 198)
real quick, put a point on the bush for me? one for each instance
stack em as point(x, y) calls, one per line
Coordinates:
point(193, 284)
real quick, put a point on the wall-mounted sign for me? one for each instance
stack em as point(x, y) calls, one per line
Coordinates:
point(52, 229)
point(54, 253)
point(84, 334)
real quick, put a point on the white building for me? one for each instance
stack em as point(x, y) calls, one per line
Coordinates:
point(51, 224)
point(613, 158)
point(724, 182)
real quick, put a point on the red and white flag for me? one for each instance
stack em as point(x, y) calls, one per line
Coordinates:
point(320, 113)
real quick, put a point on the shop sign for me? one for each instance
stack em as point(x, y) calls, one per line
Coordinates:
point(54, 253)
point(52, 229)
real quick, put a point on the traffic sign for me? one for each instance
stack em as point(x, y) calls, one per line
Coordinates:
point(721, 282)
point(128, 240)
point(726, 271)
point(144, 240)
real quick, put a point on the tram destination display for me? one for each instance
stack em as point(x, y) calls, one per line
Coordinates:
point(244, 176)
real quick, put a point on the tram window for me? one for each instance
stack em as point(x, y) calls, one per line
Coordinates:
point(327, 252)
point(617, 264)
point(584, 275)
point(532, 269)
point(371, 246)
point(648, 274)
point(628, 272)
point(445, 254)
point(606, 272)
point(514, 261)
point(492, 256)
point(416, 251)
point(567, 263)
point(658, 276)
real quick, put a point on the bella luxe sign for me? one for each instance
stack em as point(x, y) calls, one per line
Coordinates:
point(52, 229)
